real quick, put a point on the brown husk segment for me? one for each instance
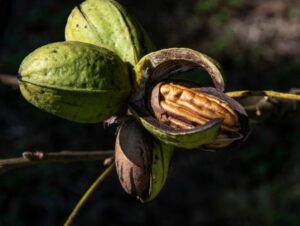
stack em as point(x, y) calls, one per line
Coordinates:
point(231, 138)
point(170, 61)
point(240, 111)
point(133, 155)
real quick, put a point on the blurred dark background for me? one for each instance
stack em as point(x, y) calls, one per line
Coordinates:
point(258, 183)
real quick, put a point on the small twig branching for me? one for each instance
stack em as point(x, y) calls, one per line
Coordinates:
point(35, 158)
point(268, 93)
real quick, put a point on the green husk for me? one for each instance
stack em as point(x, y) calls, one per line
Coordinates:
point(107, 24)
point(76, 81)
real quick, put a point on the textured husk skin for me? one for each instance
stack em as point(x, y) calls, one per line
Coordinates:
point(142, 162)
point(76, 81)
point(107, 24)
point(162, 157)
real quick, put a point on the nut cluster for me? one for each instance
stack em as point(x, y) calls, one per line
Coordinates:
point(87, 79)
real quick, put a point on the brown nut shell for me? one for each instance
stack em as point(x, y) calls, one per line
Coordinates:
point(133, 155)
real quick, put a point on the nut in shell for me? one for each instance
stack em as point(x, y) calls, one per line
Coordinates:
point(142, 162)
point(182, 113)
point(186, 108)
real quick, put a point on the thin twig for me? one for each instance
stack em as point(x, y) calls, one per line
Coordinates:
point(263, 105)
point(10, 80)
point(33, 158)
point(268, 93)
point(88, 193)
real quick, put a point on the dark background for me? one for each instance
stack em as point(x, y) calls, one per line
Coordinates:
point(258, 183)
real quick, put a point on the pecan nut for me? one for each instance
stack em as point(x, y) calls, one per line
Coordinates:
point(187, 108)
point(181, 112)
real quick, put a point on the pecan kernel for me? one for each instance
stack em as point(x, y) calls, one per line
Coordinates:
point(187, 108)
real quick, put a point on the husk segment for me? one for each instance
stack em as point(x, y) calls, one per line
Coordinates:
point(232, 138)
point(160, 65)
point(162, 156)
point(189, 139)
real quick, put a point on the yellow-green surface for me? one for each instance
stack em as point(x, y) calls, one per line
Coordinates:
point(77, 81)
point(162, 155)
point(184, 139)
point(107, 24)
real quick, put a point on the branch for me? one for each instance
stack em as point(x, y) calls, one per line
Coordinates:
point(10, 80)
point(263, 105)
point(268, 93)
point(33, 158)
